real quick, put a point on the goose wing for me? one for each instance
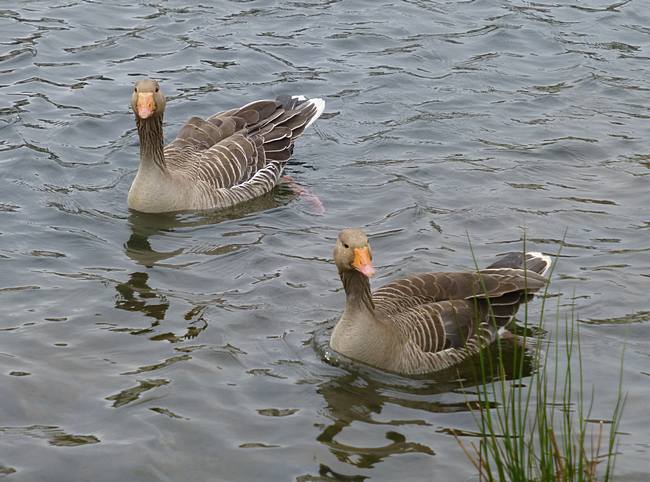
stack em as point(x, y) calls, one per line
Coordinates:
point(232, 147)
point(437, 326)
point(423, 288)
point(437, 311)
point(433, 327)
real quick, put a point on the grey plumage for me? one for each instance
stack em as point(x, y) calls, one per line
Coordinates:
point(228, 158)
point(533, 261)
point(429, 321)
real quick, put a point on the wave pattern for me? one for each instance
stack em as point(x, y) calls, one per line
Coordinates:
point(189, 335)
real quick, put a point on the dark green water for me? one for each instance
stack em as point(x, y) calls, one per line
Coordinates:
point(179, 348)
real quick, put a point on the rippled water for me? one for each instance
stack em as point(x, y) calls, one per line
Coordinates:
point(147, 348)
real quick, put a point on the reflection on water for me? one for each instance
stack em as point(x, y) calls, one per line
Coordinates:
point(353, 398)
point(54, 436)
point(137, 296)
point(363, 393)
point(139, 249)
point(132, 394)
point(188, 335)
point(144, 226)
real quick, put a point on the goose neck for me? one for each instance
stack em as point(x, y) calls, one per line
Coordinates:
point(357, 291)
point(150, 131)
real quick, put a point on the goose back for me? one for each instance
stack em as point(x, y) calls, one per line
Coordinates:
point(245, 148)
point(445, 317)
point(418, 289)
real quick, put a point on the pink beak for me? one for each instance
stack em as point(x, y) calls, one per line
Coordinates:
point(145, 105)
point(362, 262)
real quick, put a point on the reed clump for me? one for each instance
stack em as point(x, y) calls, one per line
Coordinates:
point(541, 429)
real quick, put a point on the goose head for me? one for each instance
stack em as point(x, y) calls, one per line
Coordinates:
point(352, 252)
point(147, 99)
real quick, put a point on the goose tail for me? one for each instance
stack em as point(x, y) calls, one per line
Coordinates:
point(318, 104)
point(532, 260)
point(311, 109)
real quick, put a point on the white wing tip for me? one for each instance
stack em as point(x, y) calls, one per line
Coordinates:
point(316, 102)
point(547, 259)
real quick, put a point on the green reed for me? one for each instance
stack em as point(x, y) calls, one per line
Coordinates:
point(542, 431)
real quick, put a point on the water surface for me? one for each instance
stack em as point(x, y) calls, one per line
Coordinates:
point(180, 347)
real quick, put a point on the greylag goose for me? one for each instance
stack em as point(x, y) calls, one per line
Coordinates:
point(430, 321)
point(230, 157)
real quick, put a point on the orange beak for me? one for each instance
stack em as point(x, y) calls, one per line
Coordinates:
point(362, 262)
point(145, 105)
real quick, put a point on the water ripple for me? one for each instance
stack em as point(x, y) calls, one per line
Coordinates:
point(191, 335)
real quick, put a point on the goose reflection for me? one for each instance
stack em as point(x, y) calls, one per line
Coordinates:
point(144, 226)
point(135, 295)
point(360, 395)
